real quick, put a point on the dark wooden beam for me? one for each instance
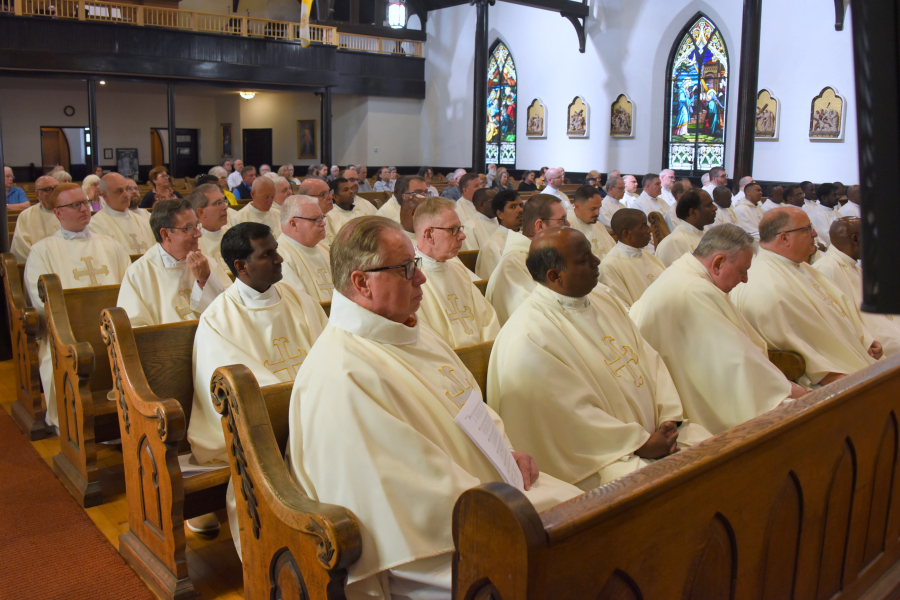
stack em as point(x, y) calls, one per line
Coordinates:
point(326, 126)
point(93, 159)
point(479, 121)
point(840, 11)
point(173, 151)
point(566, 7)
point(747, 91)
point(377, 31)
point(4, 239)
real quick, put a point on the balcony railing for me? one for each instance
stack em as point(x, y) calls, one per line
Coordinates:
point(224, 24)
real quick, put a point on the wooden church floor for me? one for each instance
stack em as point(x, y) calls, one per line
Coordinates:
point(214, 566)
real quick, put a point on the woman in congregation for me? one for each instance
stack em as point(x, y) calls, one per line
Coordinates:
point(322, 172)
point(91, 188)
point(541, 181)
point(222, 176)
point(501, 180)
point(384, 183)
point(426, 173)
point(61, 176)
point(527, 184)
point(287, 171)
point(160, 187)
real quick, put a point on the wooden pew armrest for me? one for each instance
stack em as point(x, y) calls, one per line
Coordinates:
point(792, 364)
point(27, 315)
point(60, 329)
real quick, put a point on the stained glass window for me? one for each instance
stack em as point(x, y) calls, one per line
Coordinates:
point(501, 107)
point(698, 97)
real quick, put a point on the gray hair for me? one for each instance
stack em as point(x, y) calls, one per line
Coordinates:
point(728, 239)
point(356, 247)
point(612, 181)
point(88, 182)
point(292, 206)
point(164, 214)
point(431, 210)
point(198, 198)
point(218, 171)
point(62, 177)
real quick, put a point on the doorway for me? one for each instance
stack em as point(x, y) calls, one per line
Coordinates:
point(55, 148)
point(257, 145)
point(187, 148)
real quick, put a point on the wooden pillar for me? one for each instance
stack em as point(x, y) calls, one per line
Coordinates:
point(326, 126)
point(479, 108)
point(5, 343)
point(747, 91)
point(173, 157)
point(93, 159)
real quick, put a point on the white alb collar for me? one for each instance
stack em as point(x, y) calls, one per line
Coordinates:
point(254, 299)
point(629, 251)
point(430, 264)
point(84, 234)
point(118, 214)
point(353, 318)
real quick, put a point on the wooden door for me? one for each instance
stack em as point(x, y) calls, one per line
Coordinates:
point(156, 149)
point(187, 148)
point(257, 147)
point(54, 149)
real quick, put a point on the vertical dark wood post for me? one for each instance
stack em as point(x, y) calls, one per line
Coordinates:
point(747, 90)
point(326, 126)
point(479, 108)
point(5, 343)
point(93, 160)
point(173, 157)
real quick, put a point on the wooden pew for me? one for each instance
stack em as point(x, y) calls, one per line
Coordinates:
point(154, 388)
point(25, 326)
point(482, 286)
point(658, 228)
point(476, 359)
point(792, 364)
point(376, 198)
point(801, 502)
point(469, 258)
point(86, 416)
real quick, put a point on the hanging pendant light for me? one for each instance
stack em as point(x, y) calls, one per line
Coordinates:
point(397, 14)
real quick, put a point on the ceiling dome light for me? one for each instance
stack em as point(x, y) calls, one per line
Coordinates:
point(247, 95)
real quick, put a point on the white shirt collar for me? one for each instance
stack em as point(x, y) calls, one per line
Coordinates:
point(353, 318)
point(259, 212)
point(430, 264)
point(566, 302)
point(254, 299)
point(113, 212)
point(215, 234)
point(612, 200)
point(168, 260)
point(294, 243)
point(629, 251)
point(84, 234)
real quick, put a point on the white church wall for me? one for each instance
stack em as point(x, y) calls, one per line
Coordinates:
point(796, 62)
point(361, 124)
point(627, 51)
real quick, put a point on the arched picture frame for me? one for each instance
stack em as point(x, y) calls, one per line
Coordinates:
point(536, 127)
point(768, 115)
point(578, 118)
point(621, 118)
point(826, 116)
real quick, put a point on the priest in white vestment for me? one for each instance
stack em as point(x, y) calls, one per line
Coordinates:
point(649, 200)
point(451, 304)
point(742, 185)
point(372, 422)
point(35, 222)
point(116, 221)
point(667, 180)
point(468, 185)
point(615, 191)
point(480, 228)
point(719, 363)
point(584, 217)
point(507, 206)
point(695, 210)
point(173, 281)
point(260, 323)
point(631, 193)
point(134, 200)
point(555, 178)
point(717, 178)
point(840, 265)
point(775, 199)
point(748, 209)
point(404, 186)
point(80, 259)
point(345, 209)
point(850, 209)
point(212, 212)
point(352, 177)
point(306, 263)
point(796, 308)
point(824, 212)
point(259, 210)
point(722, 196)
point(627, 269)
point(283, 190)
point(575, 383)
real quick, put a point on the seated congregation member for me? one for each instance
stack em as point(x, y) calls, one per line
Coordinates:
point(116, 221)
point(748, 209)
point(631, 187)
point(742, 186)
point(794, 307)
point(283, 189)
point(627, 269)
point(221, 176)
point(576, 385)
point(480, 228)
point(80, 259)
point(372, 421)
point(16, 199)
point(405, 185)
point(259, 210)
point(319, 190)
point(507, 206)
point(352, 176)
point(851, 208)
point(245, 185)
point(384, 182)
point(823, 213)
point(468, 185)
point(649, 200)
point(361, 173)
point(134, 200)
point(345, 209)
point(452, 191)
point(451, 304)
point(584, 217)
point(36, 222)
point(695, 210)
point(306, 264)
point(511, 283)
point(728, 378)
point(160, 187)
point(615, 191)
point(555, 178)
point(840, 265)
point(260, 323)
point(235, 176)
point(208, 201)
point(174, 280)
point(775, 199)
point(722, 196)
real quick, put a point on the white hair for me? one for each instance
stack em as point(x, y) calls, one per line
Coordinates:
point(744, 181)
point(292, 205)
point(704, 179)
point(218, 171)
point(88, 182)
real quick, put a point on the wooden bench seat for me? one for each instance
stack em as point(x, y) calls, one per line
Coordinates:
point(376, 198)
point(801, 502)
point(469, 258)
point(658, 228)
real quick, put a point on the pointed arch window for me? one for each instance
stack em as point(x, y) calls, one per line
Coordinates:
point(697, 97)
point(501, 107)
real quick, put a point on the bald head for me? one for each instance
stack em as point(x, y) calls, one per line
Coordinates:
point(43, 188)
point(853, 194)
point(263, 193)
point(787, 231)
point(845, 236)
point(744, 181)
point(561, 259)
point(112, 188)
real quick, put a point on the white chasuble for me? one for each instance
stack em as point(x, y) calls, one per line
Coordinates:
point(608, 207)
point(769, 205)
point(453, 307)
point(272, 341)
point(726, 215)
point(465, 209)
point(596, 234)
point(849, 209)
point(846, 274)
point(510, 283)
point(307, 269)
point(33, 224)
point(649, 204)
point(80, 260)
point(252, 214)
point(489, 254)
point(579, 389)
point(158, 290)
point(719, 363)
point(142, 213)
point(794, 307)
point(478, 231)
point(128, 229)
point(629, 271)
point(748, 215)
point(390, 210)
point(337, 217)
point(683, 240)
point(372, 429)
point(211, 246)
point(367, 207)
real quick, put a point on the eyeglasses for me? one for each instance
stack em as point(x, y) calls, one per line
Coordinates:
point(564, 220)
point(77, 205)
point(808, 228)
point(46, 189)
point(317, 221)
point(324, 194)
point(410, 267)
point(188, 229)
point(352, 179)
point(423, 194)
point(454, 231)
point(218, 203)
